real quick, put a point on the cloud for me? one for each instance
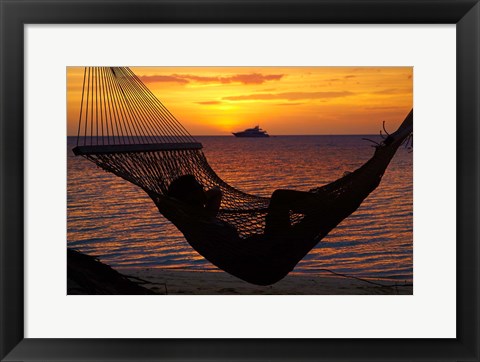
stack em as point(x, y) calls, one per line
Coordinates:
point(339, 79)
point(163, 78)
point(289, 96)
point(256, 78)
point(383, 108)
point(388, 91)
point(251, 78)
point(290, 104)
point(208, 102)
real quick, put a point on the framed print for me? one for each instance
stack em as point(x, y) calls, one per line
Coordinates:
point(150, 92)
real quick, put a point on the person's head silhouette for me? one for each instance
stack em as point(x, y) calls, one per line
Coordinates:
point(187, 189)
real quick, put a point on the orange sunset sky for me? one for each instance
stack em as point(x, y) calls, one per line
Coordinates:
point(282, 100)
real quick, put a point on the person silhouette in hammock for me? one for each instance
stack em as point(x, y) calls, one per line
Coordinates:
point(188, 190)
point(313, 206)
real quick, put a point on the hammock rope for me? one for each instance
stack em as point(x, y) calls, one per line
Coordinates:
point(125, 129)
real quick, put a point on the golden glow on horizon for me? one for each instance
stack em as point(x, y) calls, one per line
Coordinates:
point(282, 100)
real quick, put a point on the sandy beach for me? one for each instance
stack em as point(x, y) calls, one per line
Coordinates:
point(88, 275)
point(175, 282)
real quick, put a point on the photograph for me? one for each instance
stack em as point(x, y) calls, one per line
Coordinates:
point(259, 180)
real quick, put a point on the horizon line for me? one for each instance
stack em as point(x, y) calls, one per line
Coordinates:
point(231, 135)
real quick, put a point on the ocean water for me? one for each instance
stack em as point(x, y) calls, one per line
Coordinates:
point(115, 220)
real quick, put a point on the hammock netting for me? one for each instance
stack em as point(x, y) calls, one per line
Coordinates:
point(124, 129)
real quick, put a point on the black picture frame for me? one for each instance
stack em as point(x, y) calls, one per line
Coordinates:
point(15, 14)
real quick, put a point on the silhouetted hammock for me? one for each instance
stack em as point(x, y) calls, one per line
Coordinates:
point(124, 129)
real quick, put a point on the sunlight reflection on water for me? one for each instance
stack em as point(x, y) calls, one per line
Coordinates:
point(116, 221)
